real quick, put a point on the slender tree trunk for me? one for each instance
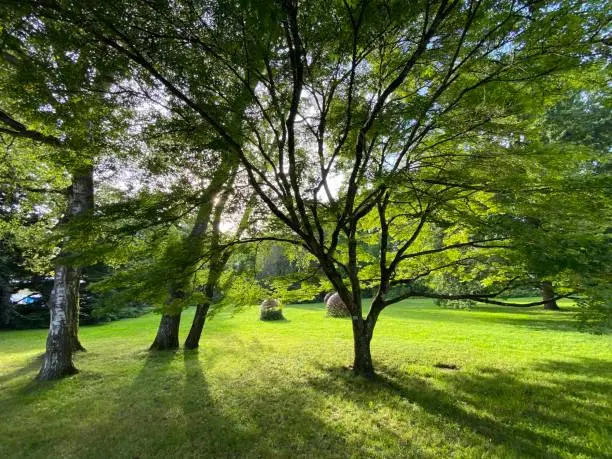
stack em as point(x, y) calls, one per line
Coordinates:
point(167, 338)
point(83, 202)
point(195, 332)
point(548, 295)
point(167, 334)
point(62, 339)
point(5, 302)
point(74, 325)
point(217, 266)
point(57, 362)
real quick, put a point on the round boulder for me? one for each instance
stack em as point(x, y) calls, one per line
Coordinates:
point(271, 309)
point(336, 307)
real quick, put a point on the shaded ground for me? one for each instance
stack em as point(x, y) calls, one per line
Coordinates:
point(521, 386)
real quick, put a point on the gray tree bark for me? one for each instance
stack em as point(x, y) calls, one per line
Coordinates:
point(62, 339)
point(57, 362)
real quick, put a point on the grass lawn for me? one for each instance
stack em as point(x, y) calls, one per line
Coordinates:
point(527, 385)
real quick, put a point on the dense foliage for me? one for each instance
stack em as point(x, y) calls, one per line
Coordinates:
point(434, 148)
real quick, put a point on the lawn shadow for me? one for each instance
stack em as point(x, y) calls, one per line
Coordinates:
point(277, 421)
point(30, 366)
point(171, 409)
point(584, 367)
point(536, 319)
point(542, 321)
point(547, 418)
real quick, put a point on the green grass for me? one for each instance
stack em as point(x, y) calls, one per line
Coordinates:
point(527, 385)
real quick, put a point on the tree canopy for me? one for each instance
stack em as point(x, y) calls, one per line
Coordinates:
point(392, 142)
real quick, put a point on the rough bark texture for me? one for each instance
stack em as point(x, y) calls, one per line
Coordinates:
point(195, 332)
point(362, 364)
point(548, 295)
point(167, 334)
point(57, 361)
point(62, 339)
point(82, 203)
point(74, 328)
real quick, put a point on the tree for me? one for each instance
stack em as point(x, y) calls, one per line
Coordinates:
point(218, 256)
point(190, 253)
point(554, 237)
point(58, 85)
point(383, 98)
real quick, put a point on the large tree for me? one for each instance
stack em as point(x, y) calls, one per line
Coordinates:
point(360, 114)
point(54, 95)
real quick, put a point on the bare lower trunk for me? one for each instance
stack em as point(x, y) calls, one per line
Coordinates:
point(82, 203)
point(75, 307)
point(168, 333)
point(362, 364)
point(5, 303)
point(57, 361)
point(548, 295)
point(195, 332)
point(64, 301)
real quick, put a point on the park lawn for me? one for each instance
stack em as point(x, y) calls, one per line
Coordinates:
point(527, 384)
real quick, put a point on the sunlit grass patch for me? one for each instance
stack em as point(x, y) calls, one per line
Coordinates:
point(526, 383)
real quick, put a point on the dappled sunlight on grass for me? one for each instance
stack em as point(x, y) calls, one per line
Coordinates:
point(450, 383)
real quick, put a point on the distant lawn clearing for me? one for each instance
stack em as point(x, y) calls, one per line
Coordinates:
point(526, 384)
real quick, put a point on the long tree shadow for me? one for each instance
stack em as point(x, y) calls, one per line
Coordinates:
point(277, 422)
point(586, 366)
point(172, 409)
point(522, 418)
point(30, 367)
point(208, 430)
point(568, 322)
point(538, 319)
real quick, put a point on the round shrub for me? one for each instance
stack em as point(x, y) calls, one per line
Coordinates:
point(271, 309)
point(336, 307)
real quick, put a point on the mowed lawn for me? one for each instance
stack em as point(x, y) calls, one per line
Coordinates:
point(527, 384)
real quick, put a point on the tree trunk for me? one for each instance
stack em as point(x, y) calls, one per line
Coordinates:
point(82, 197)
point(57, 361)
point(74, 325)
point(5, 303)
point(64, 301)
point(75, 307)
point(362, 365)
point(195, 332)
point(167, 334)
point(548, 295)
